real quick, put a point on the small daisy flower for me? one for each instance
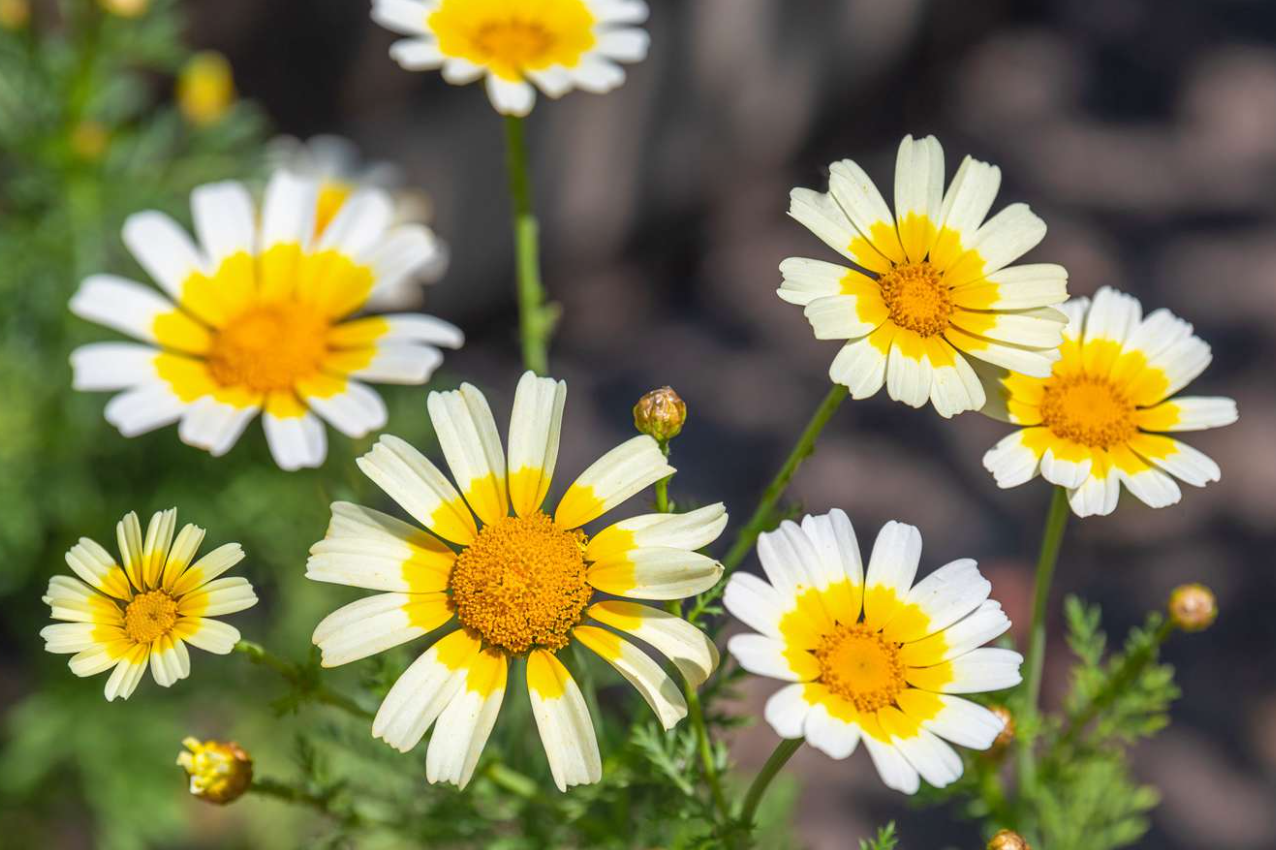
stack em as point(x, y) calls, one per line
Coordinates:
point(1099, 419)
point(521, 584)
point(144, 609)
point(936, 285)
point(336, 165)
point(871, 657)
point(259, 321)
point(553, 45)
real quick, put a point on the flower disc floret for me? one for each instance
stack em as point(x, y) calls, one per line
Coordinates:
point(150, 616)
point(269, 347)
point(917, 298)
point(1088, 410)
point(861, 666)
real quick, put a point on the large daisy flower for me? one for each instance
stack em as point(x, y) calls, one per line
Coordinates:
point(553, 45)
point(872, 658)
point(521, 584)
point(145, 608)
point(1099, 419)
point(935, 286)
point(259, 321)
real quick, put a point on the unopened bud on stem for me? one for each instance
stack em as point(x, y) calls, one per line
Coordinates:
point(220, 772)
point(1193, 607)
point(1007, 840)
point(660, 414)
point(1007, 733)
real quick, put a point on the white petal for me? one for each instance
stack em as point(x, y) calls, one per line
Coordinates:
point(1011, 462)
point(563, 720)
point(656, 572)
point(466, 723)
point(755, 603)
point(763, 656)
point(355, 411)
point(948, 594)
point(625, 470)
point(296, 442)
point(417, 54)
point(806, 280)
point(835, 738)
point(144, 408)
point(120, 304)
point(786, 711)
point(690, 649)
point(164, 249)
point(891, 765)
point(535, 425)
point(896, 554)
point(225, 219)
point(656, 686)
point(424, 690)
point(861, 367)
point(215, 426)
point(420, 488)
point(965, 723)
point(112, 366)
point(986, 669)
point(510, 97)
point(467, 433)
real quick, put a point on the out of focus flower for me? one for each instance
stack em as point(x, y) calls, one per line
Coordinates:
point(14, 14)
point(1193, 607)
point(89, 140)
point(871, 657)
point(939, 290)
point(335, 164)
point(205, 88)
point(553, 45)
point(660, 414)
point(521, 584)
point(220, 772)
point(143, 610)
point(259, 321)
point(126, 8)
point(1099, 419)
point(1007, 840)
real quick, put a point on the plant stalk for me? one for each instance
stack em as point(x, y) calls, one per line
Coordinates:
point(294, 673)
point(535, 317)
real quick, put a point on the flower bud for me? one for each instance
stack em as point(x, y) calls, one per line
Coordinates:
point(1193, 607)
point(205, 88)
point(1007, 840)
point(89, 140)
point(660, 414)
point(126, 8)
point(14, 14)
point(220, 772)
point(1007, 733)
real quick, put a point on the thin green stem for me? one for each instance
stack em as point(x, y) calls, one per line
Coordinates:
point(297, 676)
point(779, 757)
point(535, 317)
point(1052, 539)
point(287, 793)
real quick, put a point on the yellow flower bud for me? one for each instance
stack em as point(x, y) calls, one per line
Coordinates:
point(660, 414)
point(220, 772)
point(205, 88)
point(1007, 733)
point(126, 8)
point(89, 140)
point(1007, 840)
point(1193, 607)
point(14, 14)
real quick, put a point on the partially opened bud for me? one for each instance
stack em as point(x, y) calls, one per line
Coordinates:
point(205, 88)
point(220, 772)
point(1193, 607)
point(661, 414)
point(1007, 840)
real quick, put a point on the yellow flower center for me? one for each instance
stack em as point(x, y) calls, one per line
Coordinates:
point(1087, 410)
point(150, 616)
point(521, 583)
point(269, 347)
point(917, 298)
point(510, 38)
point(332, 196)
point(861, 666)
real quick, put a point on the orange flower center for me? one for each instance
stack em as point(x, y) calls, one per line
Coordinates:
point(1088, 410)
point(512, 38)
point(521, 583)
point(150, 616)
point(917, 298)
point(861, 666)
point(269, 347)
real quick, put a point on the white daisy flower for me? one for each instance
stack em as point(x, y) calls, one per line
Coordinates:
point(872, 658)
point(259, 321)
point(521, 584)
point(143, 610)
point(936, 287)
point(1099, 419)
point(553, 45)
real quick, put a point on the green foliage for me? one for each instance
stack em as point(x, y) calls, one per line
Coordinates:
point(886, 839)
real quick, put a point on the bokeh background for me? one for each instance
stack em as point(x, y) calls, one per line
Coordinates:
point(1142, 131)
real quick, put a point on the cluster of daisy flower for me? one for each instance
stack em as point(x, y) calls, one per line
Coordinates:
point(264, 312)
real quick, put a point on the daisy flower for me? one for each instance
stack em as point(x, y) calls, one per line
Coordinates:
point(259, 321)
point(553, 45)
point(871, 657)
point(518, 585)
point(934, 285)
point(1099, 419)
point(144, 609)
point(336, 165)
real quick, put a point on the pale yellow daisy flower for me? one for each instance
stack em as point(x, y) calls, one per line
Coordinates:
point(1099, 419)
point(341, 172)
point(260, 321)
point(522, 584)
point(142, 610)
point(553, 45)
point(936, 285)
point(870, 656)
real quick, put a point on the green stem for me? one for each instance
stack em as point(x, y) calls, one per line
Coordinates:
point(535, 317)
point(764, 513)
point(1131, 666)
point(1052, 539)
point(779, 757)
point(280, 791)
point(297, 676)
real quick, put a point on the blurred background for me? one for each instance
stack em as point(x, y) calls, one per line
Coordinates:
point(1142, 131)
